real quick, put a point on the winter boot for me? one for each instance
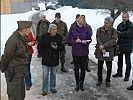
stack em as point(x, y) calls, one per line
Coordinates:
point(62, 68)
point(77, 87)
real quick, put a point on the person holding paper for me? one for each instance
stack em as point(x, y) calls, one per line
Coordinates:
point(77, 38)
point(106, 37)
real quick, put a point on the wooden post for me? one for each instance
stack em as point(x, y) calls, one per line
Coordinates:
point(5, 6)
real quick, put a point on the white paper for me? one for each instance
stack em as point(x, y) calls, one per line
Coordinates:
point(87, 40)
point(106, 54)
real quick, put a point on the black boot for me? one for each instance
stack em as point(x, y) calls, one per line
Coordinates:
point(87, 69)
point(71, 62)
point(62, 68)
point(81, 87)
point(130, 87)
point(77, 87)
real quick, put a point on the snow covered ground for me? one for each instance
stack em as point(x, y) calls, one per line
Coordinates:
point(9, 25)
point(95, 19)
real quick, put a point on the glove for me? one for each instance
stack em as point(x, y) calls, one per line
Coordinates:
point(30, 44)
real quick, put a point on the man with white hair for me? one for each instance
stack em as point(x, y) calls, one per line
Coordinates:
point(50, 45)
point(106, 37)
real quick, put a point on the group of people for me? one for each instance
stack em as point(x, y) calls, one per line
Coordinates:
point(51, 39)
point(107, 37)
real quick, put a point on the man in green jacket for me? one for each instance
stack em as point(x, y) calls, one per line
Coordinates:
point(14, 60)
point(63, 31)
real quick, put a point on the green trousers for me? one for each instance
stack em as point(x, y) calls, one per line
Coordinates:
point(16, 88)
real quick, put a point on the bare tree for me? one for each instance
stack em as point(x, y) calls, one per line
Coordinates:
point(115, 7)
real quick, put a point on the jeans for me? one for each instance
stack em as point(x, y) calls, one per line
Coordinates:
point(100, 68)
point(120, 64)
point(79, 63)
point(46, 70)
point(27, 73)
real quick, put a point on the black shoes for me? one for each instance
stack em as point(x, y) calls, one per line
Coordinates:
point(53, 90)
point(99, 83)
point(87, 69)
point(72, 62)
point(130, 87)
point(44, 93)
point(62, 68)
point(107, 84)
point(39, 55)
point(28, 87)
point(79, 86)
point(126, 78)
point(116, 75)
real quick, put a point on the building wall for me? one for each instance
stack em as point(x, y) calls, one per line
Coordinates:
point(21, 6)
point(5, 6)
point(15, 6)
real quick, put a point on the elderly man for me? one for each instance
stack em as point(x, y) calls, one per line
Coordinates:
point(14, 60)
point(106, 37)
point(42, 28)
point(50, 45)
point(63, 31)
point(125, 36)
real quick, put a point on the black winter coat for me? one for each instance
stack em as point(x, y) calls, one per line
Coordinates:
point(50, 56)
point(125, 37)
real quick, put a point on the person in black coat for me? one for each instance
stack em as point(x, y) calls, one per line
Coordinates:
point(125, 38)
point(50, 45)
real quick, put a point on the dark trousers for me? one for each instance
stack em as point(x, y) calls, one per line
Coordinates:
point(79, 63)
point(120, 64)
point(62, 56)
point(38, 40)
point(16, 89)
point(100, 68)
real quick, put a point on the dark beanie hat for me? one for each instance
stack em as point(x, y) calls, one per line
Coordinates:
point(24, 24)
point(58, 15)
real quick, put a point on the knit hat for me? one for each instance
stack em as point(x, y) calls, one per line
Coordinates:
point(24, 24)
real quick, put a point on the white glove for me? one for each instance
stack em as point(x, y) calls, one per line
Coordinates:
point(30, 44)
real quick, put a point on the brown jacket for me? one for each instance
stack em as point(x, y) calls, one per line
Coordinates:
point(108, 39)
point(15, 53)
point(42, 27)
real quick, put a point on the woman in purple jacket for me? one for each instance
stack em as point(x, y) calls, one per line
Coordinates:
point(80, 37)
